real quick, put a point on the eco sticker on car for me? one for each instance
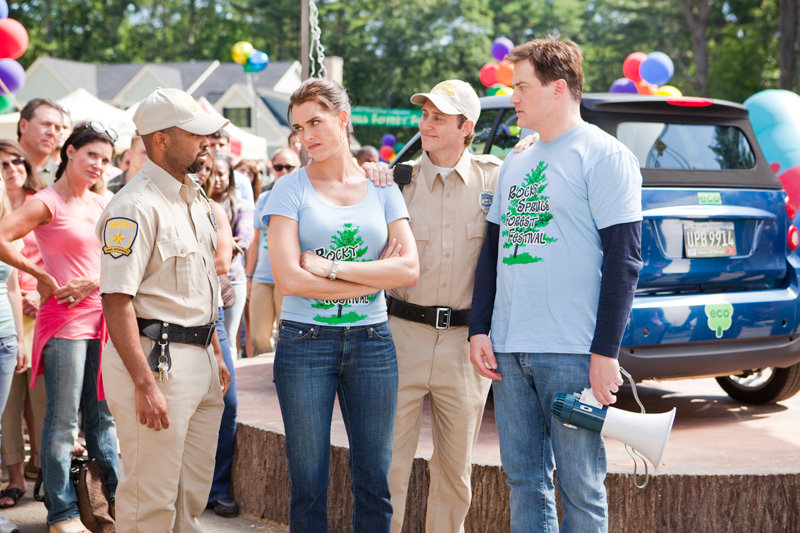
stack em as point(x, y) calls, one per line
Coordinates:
point(720, 317)
point(709, 198)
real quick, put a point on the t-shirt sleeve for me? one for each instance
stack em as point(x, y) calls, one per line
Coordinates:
point(46, 196)
point(127, 236)
point(285, 198)
point(615, 190)
point(395, 205)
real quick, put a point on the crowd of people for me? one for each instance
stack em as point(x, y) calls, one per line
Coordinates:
point(132, 282)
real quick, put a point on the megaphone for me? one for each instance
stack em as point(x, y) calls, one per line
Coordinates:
point(645, 433)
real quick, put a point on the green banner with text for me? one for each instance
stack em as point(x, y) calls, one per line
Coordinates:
point(387, 118)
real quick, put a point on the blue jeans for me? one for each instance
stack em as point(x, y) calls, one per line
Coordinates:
point(221, 486)
point(8, 362)
point(314, 364)
point(532, 443)
point(71, 382)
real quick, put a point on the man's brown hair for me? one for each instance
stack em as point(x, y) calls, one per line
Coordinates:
point(553, 59)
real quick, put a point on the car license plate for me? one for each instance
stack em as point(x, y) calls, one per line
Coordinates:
point(709, 239)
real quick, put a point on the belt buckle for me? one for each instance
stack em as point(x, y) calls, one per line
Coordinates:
point(211, 329)
point(443, 317)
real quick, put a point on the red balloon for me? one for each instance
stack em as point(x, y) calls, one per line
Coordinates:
point(387, 152)
point(630, 67)
point(13, 39)
point(489, 74)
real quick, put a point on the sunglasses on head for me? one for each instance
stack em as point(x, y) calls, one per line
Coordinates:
point(99, 128)
point(280, 168)
point(17, 161)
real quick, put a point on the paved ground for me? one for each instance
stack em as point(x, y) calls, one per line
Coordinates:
point(31, 517)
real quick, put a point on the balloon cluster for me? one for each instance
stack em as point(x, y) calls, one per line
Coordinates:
point(497, 76)
point(389, 148)
point(646, 74)
point(252, 59)
point(13, 43)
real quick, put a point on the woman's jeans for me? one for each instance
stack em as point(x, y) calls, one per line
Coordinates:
point(8, 362)
point(233, 314)
point(71, 382)
point(314, 364)
point(532, 443)
point(221, 486)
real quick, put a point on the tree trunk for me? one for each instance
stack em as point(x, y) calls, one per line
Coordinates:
point(697, 13)
point(516, 247)
point(339, 314)
point(787, 43)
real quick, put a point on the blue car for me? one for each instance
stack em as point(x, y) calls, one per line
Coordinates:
point(718, 292)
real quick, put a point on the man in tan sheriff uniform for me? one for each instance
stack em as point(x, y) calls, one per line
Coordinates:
point(448, 197)
point(164, 382)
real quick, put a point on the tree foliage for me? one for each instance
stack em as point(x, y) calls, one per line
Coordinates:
point(726, 49)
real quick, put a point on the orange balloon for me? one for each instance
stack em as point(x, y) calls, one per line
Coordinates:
point(505, 72)
point(644, 87)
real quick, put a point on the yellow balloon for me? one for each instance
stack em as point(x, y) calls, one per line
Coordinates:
point(241, 51)
point(668, 90)
point(505, 90)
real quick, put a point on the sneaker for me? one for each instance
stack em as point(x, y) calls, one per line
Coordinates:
point(7, 526)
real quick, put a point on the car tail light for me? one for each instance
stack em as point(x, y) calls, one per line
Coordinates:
point(794, 238)
point(791, 209)
point(689, 102)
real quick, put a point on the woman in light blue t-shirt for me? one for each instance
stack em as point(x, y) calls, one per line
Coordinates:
point(335, 243)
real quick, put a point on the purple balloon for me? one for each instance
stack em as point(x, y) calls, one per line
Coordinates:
point(500, 47)
point(623, 85)
point(12, 74)
point(389, 140)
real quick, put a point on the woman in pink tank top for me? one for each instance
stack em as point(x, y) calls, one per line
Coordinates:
point(70, 329)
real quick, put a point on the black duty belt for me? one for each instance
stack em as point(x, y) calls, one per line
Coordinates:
point(164, 333)
point(438, 317)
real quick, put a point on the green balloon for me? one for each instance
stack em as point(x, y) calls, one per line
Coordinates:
point(6, 103)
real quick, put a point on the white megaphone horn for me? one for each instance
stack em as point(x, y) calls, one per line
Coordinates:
point(645, 433)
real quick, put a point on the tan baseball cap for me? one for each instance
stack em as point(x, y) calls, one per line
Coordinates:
point(165, 108)
point(452, 97)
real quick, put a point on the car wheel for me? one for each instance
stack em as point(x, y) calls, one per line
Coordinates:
point(766, 385)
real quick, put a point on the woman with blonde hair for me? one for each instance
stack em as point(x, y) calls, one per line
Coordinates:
point(336, 242)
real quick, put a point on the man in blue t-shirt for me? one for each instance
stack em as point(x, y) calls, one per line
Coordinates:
point(555, 284)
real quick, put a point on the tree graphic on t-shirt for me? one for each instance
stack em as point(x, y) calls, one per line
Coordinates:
point(527, 216)
point(346, 245)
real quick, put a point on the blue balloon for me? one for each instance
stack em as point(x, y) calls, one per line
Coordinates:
point(389, 140)
point(657, 68)
point(623, 85)
point(3, 9)
point(257, 61)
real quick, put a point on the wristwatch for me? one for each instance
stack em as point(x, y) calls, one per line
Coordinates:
point(334, 270)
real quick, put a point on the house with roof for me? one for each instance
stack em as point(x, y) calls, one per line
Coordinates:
point(255, 102)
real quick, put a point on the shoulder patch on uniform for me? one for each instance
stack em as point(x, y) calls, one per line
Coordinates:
point(118, 236)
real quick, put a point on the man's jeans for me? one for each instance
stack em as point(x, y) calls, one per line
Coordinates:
point(314, 364)
point(71, 381)
point(221, 486)
point(532, 443)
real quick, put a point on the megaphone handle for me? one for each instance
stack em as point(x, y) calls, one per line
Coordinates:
point(634, 454)
point(635, 394)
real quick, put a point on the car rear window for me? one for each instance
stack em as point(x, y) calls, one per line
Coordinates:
point(660, 145)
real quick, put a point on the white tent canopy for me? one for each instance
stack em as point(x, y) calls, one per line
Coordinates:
point(82, 106)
